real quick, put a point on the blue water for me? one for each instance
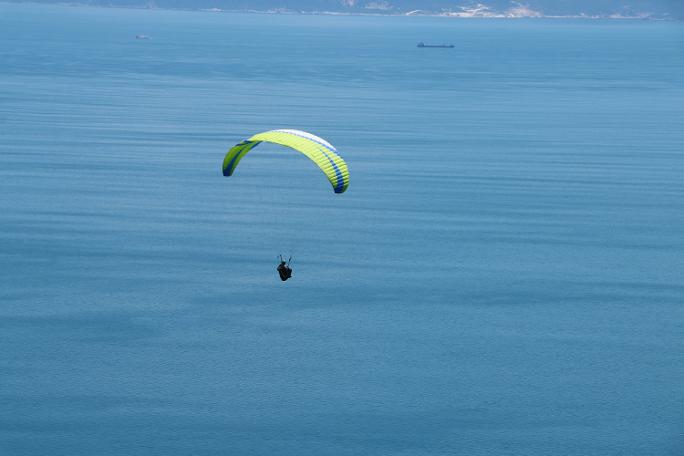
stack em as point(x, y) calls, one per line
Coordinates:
point(504, 276)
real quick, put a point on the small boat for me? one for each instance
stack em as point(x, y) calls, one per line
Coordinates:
point(423, 45)
point(142, 37)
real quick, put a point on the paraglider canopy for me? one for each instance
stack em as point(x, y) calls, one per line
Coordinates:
point(318, 150)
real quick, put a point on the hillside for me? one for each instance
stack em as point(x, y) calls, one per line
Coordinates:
point(458, 8)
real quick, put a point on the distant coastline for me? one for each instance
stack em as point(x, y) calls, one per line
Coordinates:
point(451, 15)
point(476, 12)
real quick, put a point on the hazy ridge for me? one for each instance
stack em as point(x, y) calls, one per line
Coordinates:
point(456, 8)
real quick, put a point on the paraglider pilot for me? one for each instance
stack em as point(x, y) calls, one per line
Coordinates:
point(284, 269)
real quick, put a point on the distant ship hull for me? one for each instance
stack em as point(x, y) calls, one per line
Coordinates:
point(423, 45)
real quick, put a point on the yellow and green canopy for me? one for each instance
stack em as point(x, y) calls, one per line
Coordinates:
point(316, 149)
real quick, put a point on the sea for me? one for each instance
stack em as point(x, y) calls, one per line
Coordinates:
point(504, 275)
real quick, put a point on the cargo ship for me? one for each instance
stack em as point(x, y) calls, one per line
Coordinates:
point(423, 45)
